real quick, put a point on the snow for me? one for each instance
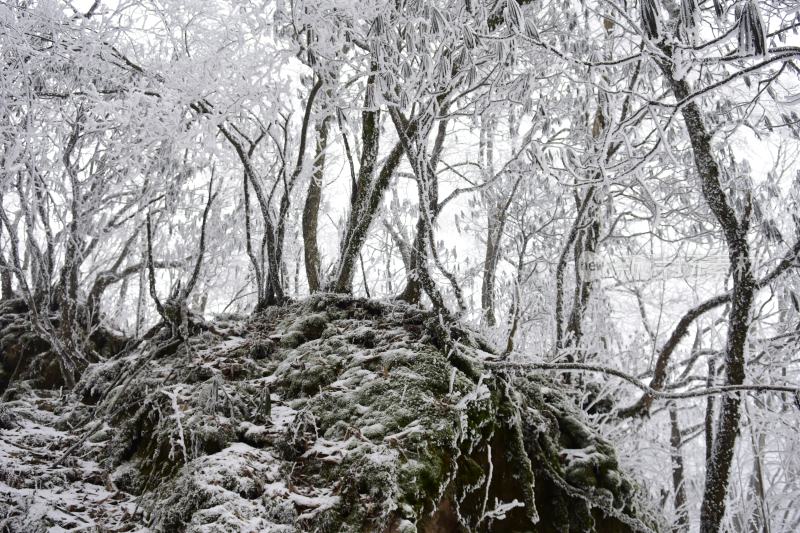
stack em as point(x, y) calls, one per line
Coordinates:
point(34, 491)
point(346, 425)
point(501, 509)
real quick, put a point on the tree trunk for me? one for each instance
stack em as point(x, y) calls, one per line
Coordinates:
point(515, 302)
point(413, 290)
point(735, 232)
point(562, 266)
point(419, 251)
point(427, 189)
point(678, 480)
point(708, 421)
point(6, 290)
point(364, 191)
point(759, 520)
point(286, 199)
point(585, 243)
point(492, 211)
point(311, 211)
point(273, 290)
point(489, 270)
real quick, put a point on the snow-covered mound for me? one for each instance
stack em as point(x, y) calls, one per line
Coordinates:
point(333, 414)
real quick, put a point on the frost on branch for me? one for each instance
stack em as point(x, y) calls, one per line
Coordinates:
point(752, 37)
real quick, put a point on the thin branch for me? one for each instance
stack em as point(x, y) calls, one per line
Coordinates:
point(649, 391)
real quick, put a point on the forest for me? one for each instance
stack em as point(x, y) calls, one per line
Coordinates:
point(400, 265)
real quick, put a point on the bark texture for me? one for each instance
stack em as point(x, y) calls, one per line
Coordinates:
point(311, 211)
point(742, 295)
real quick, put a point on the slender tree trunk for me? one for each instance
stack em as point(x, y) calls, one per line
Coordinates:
point(273, 290)
point(412, 292)
point(42, 264)
point(735, 232)
point(288, 187)
point(427, 189)
point(514, 314)
point(311, 211)
point(709, 416)
point(366, 194)
point(561, 266)
point(585, 244)
point(68, 279)
point(419, 252)
point(678, 480)
point(488, 123)
point(5, 281)
point(6, 290)
point(585, 232)
point(360, 222)
point(248, 233)
point(497, 208)
point(490, 270)
point(759, 520)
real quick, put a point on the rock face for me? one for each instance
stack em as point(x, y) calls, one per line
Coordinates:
point(26, 354)
point(337, 414)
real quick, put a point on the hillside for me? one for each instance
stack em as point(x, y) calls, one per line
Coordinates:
point(333, 414)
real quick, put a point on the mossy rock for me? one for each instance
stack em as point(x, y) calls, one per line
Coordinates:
point(372, 427)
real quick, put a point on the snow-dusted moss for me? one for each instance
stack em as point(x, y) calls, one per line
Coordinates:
point(339, 414)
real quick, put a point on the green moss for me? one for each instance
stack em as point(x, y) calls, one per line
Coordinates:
point(430, 474)
point(470, 472)
point(311, 326)
point(581, 475)
point(392, 426)
point(292, 339)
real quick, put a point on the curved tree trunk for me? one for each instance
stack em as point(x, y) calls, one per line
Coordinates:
point(361, 209)
point(586, 243)
point(721, 458)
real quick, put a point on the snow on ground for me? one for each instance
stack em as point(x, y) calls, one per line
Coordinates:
point(36, 493)
point(330, 415)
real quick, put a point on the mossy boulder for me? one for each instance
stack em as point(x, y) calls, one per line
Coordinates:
point(358, 418)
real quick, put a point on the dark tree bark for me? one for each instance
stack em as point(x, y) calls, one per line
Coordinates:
point(561, 266)
point(174, 311)
point(742, 295)
point(273, 291)
point(42, 262)
point(254, 258)
point(428, 204)
point(412, 292)
point(288, 186)
point(586, 243)
point(367, 194)
point(708, 421)
point(6, 289)
point(361, 197)
point(491, 253)
point(678, 479)
point(68, 279)
point(105, 279)
point(311, 211)
point(515, 312)
point(273, 230)
point(490, 270)
point(428, 186)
